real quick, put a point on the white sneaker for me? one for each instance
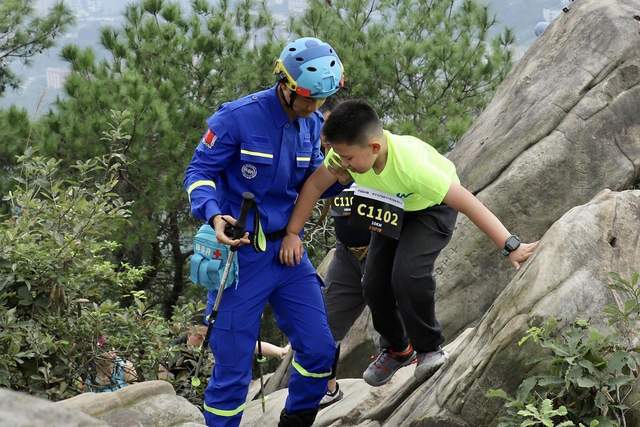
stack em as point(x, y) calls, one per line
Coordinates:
point(330, 398)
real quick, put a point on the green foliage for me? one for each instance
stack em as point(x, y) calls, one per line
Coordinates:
point(427, 66)
point(60, 287)
point(22, 35)
point(588, 375)
point(625, 316)
point(14, 126)
point(319, 235)
point(170, 70)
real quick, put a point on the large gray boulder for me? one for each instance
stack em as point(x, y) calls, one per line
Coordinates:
point(563, 126)
point(150, 403)
point(565, 279)
point(23, 410)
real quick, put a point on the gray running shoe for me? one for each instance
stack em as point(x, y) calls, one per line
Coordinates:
point(331, 398)
point(386, 364)
point(428, 363)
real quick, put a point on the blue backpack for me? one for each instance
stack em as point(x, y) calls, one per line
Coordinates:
point(208, 259)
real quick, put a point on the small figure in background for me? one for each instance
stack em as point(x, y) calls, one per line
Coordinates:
point(111, 372)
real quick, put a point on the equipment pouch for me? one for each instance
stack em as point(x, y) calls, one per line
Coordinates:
point(208, 259)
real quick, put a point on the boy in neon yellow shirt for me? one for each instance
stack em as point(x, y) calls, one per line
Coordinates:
point(411, 194)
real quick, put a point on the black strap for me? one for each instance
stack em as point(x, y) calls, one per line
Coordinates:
point(276, 235)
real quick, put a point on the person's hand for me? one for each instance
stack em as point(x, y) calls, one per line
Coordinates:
point(285, 351)
point(291, 250)
point(219, 223)
point(520, 255)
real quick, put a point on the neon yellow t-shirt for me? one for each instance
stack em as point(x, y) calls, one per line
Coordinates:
point(414, 171)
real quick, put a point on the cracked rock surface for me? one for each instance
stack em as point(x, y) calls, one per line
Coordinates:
point(563, 126)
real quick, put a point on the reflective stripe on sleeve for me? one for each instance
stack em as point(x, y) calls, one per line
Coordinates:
point(303, 159)
point(199, 184)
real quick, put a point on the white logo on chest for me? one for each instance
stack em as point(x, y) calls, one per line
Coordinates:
point(249, 171)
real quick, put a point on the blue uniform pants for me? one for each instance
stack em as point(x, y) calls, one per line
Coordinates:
point(295, 296)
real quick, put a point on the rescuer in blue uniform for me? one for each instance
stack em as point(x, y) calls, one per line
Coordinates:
point(267, 143)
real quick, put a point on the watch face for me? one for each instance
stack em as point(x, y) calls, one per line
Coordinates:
point(512, 243)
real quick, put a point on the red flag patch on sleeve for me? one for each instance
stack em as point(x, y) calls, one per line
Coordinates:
point(209, 138)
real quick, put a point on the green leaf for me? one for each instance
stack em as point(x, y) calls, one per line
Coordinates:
point(617, 361)
point(620, 381)
point(497, 393)
point(525, 388)
point(586, 382)
point(558, 349)
point(587, 365)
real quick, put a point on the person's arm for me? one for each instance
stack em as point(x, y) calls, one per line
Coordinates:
point(210, 158)
point(460, 199)
point(291, 249)
point(317, 159)
point(215, 151)
point(272, 350)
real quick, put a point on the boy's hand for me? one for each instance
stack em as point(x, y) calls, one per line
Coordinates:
point(291, 250)
point(520, 255)
point(219, 223)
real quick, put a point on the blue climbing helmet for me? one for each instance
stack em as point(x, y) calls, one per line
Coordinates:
point(310, 68)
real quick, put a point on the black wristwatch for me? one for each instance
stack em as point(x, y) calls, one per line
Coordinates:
point(512, 243)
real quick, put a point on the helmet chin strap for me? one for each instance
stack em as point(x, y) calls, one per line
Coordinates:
point(292, 97)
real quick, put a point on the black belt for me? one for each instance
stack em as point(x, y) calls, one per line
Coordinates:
point(276, 235)
point(272, 237)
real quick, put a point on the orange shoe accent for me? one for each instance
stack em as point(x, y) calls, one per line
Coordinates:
point(408, 351)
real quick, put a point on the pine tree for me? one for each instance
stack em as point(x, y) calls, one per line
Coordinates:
point(23, 35)
point(427, 66)
point(169, 70)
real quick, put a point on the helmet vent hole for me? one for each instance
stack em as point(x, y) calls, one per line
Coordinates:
point(299, 59)
point(292, 49)
point(312, 69)
point(330, 50)
point(333, 63)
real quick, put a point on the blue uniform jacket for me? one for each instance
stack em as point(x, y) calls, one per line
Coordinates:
point(251, 146)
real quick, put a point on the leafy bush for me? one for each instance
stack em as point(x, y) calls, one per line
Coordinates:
point(589, 375)
point(61, 290)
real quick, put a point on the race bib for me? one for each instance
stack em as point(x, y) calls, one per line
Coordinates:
point(378, 211)
point(341, 204)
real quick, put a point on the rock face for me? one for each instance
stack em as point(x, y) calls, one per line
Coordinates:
point(151, 403)
point(563, 126)
point(22, 410)
point(566, 279)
